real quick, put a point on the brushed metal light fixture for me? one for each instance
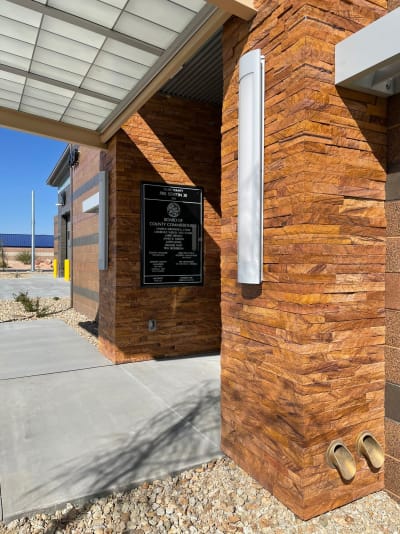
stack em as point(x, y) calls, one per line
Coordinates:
point(251, 168)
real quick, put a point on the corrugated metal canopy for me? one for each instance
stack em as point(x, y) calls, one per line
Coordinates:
point(201, 78)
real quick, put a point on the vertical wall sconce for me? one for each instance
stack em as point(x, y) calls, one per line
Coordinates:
point(251, 168)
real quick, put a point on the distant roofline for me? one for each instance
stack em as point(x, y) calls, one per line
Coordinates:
point(57, 176)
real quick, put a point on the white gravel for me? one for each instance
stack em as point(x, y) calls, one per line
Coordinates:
point(216, 498)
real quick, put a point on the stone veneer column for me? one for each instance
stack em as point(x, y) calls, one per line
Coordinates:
point(303, 353)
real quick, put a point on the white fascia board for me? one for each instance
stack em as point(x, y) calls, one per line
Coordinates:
point(369, 60)
point(91, 204)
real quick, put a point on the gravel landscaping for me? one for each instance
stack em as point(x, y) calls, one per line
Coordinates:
point(216, 498)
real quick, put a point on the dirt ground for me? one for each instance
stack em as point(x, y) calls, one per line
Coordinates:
point(41, 265)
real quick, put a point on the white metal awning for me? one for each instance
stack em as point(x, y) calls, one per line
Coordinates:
point(369, 60)
point(76, 69)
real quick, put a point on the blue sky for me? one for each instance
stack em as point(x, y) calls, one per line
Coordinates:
point(26, 162)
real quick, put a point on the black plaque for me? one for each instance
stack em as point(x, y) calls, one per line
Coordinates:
point(171, 235)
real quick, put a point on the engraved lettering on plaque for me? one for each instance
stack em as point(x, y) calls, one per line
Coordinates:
point(171, 235)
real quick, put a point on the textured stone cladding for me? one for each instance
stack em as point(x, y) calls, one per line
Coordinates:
point(303, 353)
point(392, 350)
point(85, 272)
point(171, 141)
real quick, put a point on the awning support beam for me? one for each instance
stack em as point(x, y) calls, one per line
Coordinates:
point(25, 122)
point(58, 83)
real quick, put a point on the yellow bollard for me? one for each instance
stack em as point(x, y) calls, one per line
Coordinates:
point(67, 272)
point(55, 267)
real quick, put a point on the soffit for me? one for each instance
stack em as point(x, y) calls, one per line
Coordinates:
point(81, 63)
point(201, 78)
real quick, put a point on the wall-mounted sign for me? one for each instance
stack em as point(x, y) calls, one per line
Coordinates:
point(171, 235)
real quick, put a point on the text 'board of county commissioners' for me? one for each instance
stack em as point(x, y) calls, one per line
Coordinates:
point(171, 235)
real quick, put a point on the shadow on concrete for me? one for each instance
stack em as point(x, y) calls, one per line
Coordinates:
point(179, 437)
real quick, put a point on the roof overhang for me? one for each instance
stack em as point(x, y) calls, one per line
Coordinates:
point(61, 170)
point(77, 70)
point(369, 60)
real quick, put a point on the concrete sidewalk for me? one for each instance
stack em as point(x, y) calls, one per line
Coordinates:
point(37, 285)
point(74, 426)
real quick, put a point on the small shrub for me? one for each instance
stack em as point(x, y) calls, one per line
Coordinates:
point(42, 311)
point(25, 257)
point(56, 298)
point(31, 305)
point(22, 297)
